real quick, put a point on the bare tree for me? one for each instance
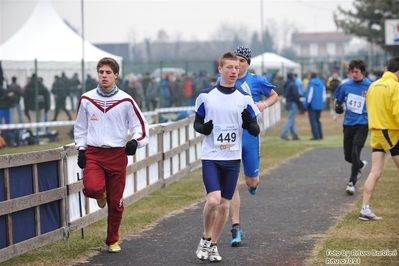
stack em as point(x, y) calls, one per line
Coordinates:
point(162, 36)
point(229, 32)
point(132, 41)
point(281, 33)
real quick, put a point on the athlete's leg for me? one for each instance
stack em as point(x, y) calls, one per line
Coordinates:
point(356, 163)
point(220, 219)
point(93, 174)
point(348, 143)
point(252, 182)
point(360, 133)
point(115, 185)
point(213, 200)
point(250, 159)
point(377, 165)
point(228, 181)
point(235, 206)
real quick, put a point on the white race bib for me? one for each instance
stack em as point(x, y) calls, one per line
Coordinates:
point(355, 103)
point(225, 136)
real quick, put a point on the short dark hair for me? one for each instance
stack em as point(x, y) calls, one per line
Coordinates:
point(393, 64)
point(358, 63)
point(108, 61)
point(290, 75)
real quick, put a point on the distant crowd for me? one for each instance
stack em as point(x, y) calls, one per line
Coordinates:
point(150, 93)
point(171, 90)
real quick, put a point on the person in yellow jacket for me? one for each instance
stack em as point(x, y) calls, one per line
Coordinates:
point(382, 103)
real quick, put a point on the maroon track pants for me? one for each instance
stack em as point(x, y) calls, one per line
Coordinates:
point(105, 171)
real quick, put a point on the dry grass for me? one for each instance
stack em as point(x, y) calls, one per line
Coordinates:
point(349, 233)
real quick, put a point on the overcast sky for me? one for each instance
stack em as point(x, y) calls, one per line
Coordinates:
point(109, 21)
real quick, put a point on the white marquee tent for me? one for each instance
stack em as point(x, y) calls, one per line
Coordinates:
point(57, 48)
point(273, 62)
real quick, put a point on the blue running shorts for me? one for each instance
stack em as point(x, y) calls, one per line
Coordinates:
point(220, 175)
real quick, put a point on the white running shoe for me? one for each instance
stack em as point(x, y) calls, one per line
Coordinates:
point(368, 215)
point(203, 249)
point(350, 189)
point(359, 174)
point(214, 254)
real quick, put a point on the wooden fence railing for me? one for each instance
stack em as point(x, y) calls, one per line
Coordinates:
point(40, 192)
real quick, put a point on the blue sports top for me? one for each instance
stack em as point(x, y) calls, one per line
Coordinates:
point(254, 85)
point(353, 94)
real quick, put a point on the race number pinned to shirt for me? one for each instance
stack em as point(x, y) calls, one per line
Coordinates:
point(355, 103)
point(225, 136)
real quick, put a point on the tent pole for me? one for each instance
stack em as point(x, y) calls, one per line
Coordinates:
point(83, 52)
point(36, 100)
point(262, 37)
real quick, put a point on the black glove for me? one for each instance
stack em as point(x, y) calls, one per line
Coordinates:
point(246, 119)
point(339, 108)
point(131, 147)
point(82, 159)
point(208, 126)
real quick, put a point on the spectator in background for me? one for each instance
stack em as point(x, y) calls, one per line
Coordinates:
point(43, 100)
point(65, 79)
point(305, 82)
point(26, 111)
point(177, 96)
point(187, 89)
point(135, 89)
point(348, 76)
point(16, 88)
point(298, 83)
point(145, 81)
point(60, 95)
point(278, 80)
point(332, 84)
point(153, 94)
point(292, 105)
point(7, 99)
point(90, 83)
point(315, 97)
point(75, 90)
point(165, 90)
point(1, 77)
point(371, 75)
point(200, 82)
point(47, 107)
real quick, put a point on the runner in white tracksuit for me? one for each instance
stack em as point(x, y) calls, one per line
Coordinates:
point(104, 117)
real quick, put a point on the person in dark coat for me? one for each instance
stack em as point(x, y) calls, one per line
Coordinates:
point(43, 100)
point(16, 88)
point(292, 105)
point(60, 95)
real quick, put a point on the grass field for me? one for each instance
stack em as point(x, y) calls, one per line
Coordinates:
point(348, 234)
